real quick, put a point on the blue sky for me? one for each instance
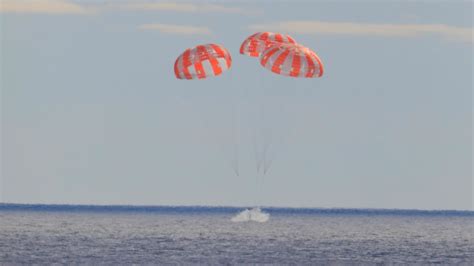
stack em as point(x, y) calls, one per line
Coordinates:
point(92, 112)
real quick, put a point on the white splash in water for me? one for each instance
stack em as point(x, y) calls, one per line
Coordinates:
point(254, 214)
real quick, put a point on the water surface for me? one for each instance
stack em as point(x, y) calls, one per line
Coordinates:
point(47, 234)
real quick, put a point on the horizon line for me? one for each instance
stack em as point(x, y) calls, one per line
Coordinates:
point(277, 208)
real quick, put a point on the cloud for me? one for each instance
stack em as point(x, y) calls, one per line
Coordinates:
point(71, 7)
point(43, 7)
point(176, 29)
point(183, 7)
point(366, 29)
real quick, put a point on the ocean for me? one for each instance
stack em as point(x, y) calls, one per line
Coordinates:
point(65, 234)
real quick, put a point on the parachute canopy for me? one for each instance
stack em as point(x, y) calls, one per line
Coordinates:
point(255, 44)
point(202, 61)
point(292, 60)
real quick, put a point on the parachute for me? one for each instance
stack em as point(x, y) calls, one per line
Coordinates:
point(202, 61)
point(292, 60)
point(255, 44)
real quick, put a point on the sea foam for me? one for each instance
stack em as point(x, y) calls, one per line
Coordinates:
point(254, 214)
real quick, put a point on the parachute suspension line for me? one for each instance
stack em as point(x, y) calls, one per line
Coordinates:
point(255, 131)
point(257, 136)
point(266, 149)
point(238, 131)
point(258, 122)
point(204, 120)
point(266, 133)
point(255, 146)
point(263, 133)
point(276, 140)
point(235, 127)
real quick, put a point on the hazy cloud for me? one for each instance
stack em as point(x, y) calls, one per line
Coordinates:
point(176, 29)
point(366, 29)
point(71, 7)
point(183, 7)
point(43, 6)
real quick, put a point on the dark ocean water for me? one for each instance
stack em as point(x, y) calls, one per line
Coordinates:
point(50, 234)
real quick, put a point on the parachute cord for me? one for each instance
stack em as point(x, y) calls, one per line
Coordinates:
point(272, 144)
point(232, 152)
point(258, 192)
point(239, 102)
point(184, 99)
point(235, 126)
point(263, 122)
point(276, 140)
point(263, 133)
point(255, 147)
point(258, 123)
point(267, 135)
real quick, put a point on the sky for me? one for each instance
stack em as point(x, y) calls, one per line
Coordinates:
point(91, 112)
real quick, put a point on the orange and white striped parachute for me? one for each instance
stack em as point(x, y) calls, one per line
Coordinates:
point(292, 60)
point(255, 44)
point(202, 61)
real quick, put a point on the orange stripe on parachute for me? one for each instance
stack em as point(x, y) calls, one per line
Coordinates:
point(253, 47)
point(249, 45)
point(222, 53)
point(242, 47)
point(267, 56)
point(201, 55)
point(264, 36)
point(295, 66)
point(216, 68)
point(321, 67)
point(279, 61)
point(176, 70)
point(186, 64)
point(290, 39)
point(278, 38)
point(311, 66)
point(257, 43)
